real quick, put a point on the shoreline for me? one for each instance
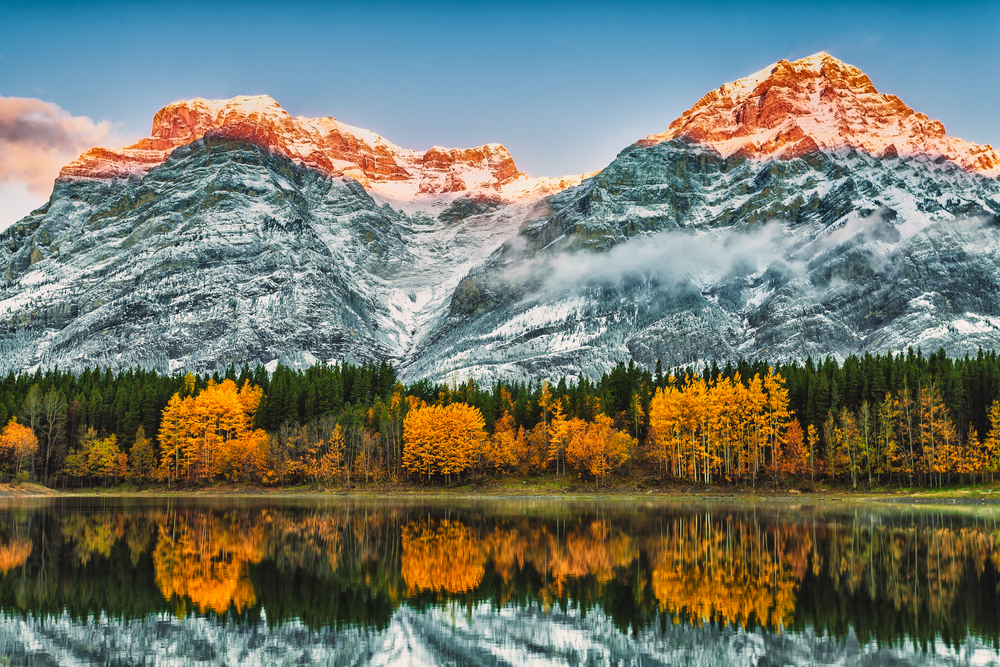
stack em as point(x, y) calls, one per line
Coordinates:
point(981, 495)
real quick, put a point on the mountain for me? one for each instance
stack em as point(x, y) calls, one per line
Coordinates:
point(236, 233)
point(818, 104)
point(797, 211)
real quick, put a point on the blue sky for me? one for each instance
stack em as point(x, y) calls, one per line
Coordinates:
point(564, 86)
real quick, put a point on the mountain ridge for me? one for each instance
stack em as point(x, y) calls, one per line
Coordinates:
point(486, 172)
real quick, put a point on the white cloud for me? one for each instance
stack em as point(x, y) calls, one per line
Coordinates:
point(37, 139)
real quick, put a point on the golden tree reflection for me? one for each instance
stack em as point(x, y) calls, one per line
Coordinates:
point(728, 571)
point(919, 573)
point(204, 558)
point(14, 554)
point(441, 556)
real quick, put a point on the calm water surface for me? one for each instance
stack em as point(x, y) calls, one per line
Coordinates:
point(501, 582)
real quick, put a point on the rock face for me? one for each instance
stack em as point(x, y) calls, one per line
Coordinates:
point(228, 252)
point(797, 211)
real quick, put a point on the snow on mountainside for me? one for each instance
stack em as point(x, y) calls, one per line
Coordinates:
point(792, 109)
point(236, 233)
point(797, 211)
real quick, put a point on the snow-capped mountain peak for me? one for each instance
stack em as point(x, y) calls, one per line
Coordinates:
point(400, 175)
point(792, 109)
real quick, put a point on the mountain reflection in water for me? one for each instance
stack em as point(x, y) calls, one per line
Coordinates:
point(129, 581)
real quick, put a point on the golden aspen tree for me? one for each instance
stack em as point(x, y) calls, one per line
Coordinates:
point(121, 466)
point(172, 435)
point(886, 444)
point(812, 445)
point(142, 460)
point(664, 428)
point(536, 450)
point(850, 445)
point(598, 448)
point(18, 445)
point(992, 443)
point(832, 437)
point(907, 412)
point(756, 427)
point(506, 444)
point(725, 396)
point(970, 458)
point(329, 467)
point(695, 418)
point(102, 458)
point(442, 440)
point(866, 440)
point(777, 411)
point(211, 434)
point(795, 456)
point(938, 433)
point(552, 421)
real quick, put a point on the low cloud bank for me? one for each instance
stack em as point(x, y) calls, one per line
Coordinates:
point(676, 258)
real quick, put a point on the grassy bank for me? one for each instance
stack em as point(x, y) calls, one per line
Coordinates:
point(542, 486)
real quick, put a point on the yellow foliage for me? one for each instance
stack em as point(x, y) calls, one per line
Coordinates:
point(721, 429)
point(596, 448)
point(14, 554)
point(210, 435)
point(205, 559)
point(507, 445)
point(17, 445)
point(730, 572)
point(442, 440)
point(441, 556)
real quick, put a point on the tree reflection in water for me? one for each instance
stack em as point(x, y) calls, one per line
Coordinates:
point(913, 577)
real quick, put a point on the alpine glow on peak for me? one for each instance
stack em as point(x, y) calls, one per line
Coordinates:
point(792, 109)
point(334, 148)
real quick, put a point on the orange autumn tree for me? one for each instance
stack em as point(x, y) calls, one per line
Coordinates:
point(794, 459)
point(507, 445)
point(992, 443)
point(597, 448)
point(442, 439)
point(719, 429)
point(18, 445)
point(441, 556)
point(205, 558)
point(210, 435)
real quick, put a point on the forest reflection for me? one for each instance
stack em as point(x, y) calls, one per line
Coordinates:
point(891, 575)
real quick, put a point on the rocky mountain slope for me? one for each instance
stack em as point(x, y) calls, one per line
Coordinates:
point(797, 211)
point(239, 234)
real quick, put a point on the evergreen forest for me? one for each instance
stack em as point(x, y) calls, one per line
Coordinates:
point(905, 419)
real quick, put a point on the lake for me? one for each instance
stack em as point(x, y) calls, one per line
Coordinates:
point(258, 581)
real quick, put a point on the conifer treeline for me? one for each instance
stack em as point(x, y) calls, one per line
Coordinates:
point(882, 418)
